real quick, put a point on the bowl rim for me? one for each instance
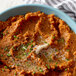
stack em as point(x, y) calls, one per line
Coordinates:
point(40, 5)
point(43, 6)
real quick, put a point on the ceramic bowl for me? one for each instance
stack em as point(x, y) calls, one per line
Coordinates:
point(22, 9)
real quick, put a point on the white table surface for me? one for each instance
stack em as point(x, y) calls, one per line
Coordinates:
point(5, 4)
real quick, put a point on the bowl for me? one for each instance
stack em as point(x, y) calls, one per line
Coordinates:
point(22, 9)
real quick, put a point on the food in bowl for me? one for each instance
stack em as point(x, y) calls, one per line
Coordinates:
point(37, 44)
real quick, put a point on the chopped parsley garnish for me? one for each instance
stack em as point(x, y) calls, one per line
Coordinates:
point(33, 72)
point(48, 66)
point(17, 48)
point(56, 50)
point(1, 48)
point(15, 73)
point(23, 48)
point(45, 42)
point(5, 67)
point(68, 50)
point(45, 53)
point(6, 49)
point(66, 69)
point(25, 54)
point(14, 36)
point(7, 31)
point(1, 54)
point(67, 59)
point(56, 64)
point(9, 66)
point(62, 40)
point(13, 48)
point(2, 33)
point(50, 60)
point(31, 41)
point(32, 45)
point(18, 57)
point(29, 52)
point(40, 70)
point(53, 37)
point(2, 69)
point(17, 64)
point(31, 49)
point(8, 55)
point(27, 44)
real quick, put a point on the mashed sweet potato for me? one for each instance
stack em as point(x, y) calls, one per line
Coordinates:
point(36, 44)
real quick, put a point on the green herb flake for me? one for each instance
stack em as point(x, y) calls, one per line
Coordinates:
point(23, 48)
point(62, 40)
point(53, 37)
point(56, 50)
point(35, 67)
point(48, 66)
point(8, 55)
point(27, 44)
point(45, 53)
point(31, 45)
point(15, 73)
point(56, 64)
point(9, 66)
point(31, 49)
point(25, 54)
point(6, 49)
point(13, 48)
point(28, 53)
point(18, 57)
point(66, 69)
point(68, 50)
point(34, 72)
point(40, 70)
point(5, 67)
point(28, 65)
point(48, 44)
point(7, 31)
point(17, 65)
point(67, 59)
point(31, 41)
point(45, 42)
point(2, 33)
point(1, 54)
point(14, 36)
point(50, 60)
point(1, 48)
point(3, 70)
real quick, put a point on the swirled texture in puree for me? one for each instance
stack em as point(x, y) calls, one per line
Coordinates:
point(37, 44)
